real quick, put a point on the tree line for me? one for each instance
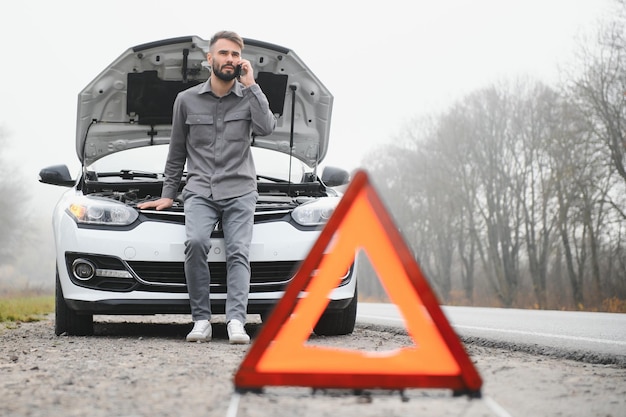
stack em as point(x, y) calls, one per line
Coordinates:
point(515, 195)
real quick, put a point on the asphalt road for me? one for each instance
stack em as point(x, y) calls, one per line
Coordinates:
point(595, 337)
point(142, 366)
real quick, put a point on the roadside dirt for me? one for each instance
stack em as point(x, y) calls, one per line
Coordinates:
point(141, 366)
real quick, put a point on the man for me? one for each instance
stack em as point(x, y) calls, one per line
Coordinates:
point(212, 125)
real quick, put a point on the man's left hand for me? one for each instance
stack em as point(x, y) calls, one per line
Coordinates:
point(247, 73)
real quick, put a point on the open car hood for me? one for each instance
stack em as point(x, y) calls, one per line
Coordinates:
point(129, 105)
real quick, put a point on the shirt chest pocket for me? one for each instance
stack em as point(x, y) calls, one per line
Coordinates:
point(237, 125)
point(201, 129)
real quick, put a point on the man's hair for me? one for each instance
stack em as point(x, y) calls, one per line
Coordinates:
point(226, 34)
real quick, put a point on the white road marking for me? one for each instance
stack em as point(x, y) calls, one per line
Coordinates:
point(554, 336)
point(520, 332)
point(233, 407)
point(495, 407)
point(364, 316)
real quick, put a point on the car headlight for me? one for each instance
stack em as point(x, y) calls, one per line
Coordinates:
point(316, 212)
point(86, 210)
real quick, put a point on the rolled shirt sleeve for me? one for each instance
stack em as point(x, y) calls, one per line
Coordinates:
point(263, 121)
point(177, 154)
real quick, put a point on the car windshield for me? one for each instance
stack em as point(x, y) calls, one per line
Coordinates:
point(270, 165)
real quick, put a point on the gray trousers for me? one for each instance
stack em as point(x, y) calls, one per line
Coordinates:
point(201, 215)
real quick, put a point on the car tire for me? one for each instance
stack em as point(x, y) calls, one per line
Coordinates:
point(68, 321)
point(336, 323)
point(265, 315)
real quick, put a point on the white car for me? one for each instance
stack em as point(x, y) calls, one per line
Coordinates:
point(113, 258)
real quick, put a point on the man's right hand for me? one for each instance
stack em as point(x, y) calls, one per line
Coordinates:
point(160, 204)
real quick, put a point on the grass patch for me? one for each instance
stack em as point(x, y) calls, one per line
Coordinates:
point(25, 309)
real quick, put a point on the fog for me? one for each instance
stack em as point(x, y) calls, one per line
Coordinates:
point(384, 65)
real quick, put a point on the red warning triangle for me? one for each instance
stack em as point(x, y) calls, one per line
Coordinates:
point(280, 356)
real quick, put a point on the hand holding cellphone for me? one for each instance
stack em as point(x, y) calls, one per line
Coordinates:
point(245, 76)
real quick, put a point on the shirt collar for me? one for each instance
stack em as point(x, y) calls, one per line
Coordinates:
point(236, 88)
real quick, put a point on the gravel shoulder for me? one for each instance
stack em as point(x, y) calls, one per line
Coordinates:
point(141, 366)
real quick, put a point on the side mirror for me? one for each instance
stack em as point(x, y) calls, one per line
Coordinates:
point(333, 177)
point(56, 175)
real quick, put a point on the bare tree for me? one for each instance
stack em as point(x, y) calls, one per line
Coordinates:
point(436, 218)
point(536, 120)
point(416, 183)
point(498, 203)
point(390, 174)
point(14, 216)
point(601, 89)
point(591, 202)
point(519, 175)
point(454, 145)
point(582, 181)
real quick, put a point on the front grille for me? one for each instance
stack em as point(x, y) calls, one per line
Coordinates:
point(170, 276)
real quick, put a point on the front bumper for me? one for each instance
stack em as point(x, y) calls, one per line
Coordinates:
point(174, 306)
point(153, 255)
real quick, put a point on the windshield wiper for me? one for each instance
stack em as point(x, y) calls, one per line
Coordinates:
point(128, 174)
point(265, 177)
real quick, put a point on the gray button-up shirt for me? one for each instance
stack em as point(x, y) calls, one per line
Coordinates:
point(213, 135)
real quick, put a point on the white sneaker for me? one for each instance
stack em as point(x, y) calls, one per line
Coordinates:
point(201, 332)
point(236, 333)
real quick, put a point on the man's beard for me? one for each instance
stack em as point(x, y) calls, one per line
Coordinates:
point(224, 76)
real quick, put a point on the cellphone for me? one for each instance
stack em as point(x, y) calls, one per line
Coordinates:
point(238, 71)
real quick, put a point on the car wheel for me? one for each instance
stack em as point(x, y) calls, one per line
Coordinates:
point(335, 323)
point(67, 320)
point(265, 315)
